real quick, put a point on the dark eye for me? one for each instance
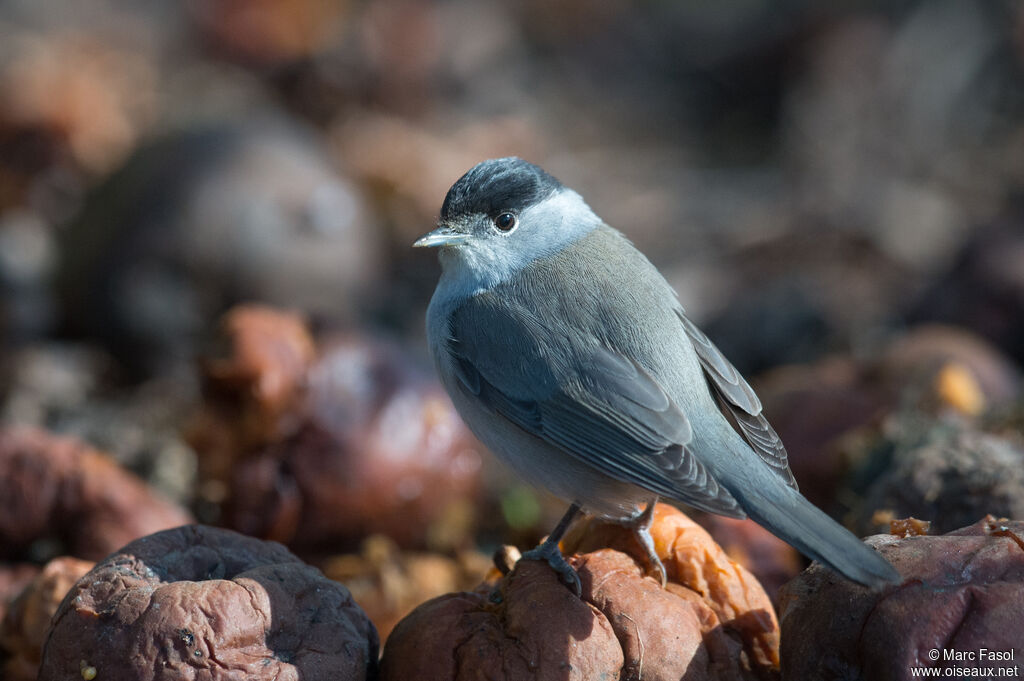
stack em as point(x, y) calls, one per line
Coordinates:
point(506, 222)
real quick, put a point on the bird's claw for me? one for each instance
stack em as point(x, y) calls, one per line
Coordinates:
point(655, 568)
point(641, 526)
point(549, 553)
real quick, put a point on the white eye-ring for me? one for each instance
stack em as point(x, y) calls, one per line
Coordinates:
point(506, 222)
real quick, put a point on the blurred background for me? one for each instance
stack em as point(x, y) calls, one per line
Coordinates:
point(834, 189)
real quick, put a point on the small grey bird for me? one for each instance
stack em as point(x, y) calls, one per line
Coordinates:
point(568, 355)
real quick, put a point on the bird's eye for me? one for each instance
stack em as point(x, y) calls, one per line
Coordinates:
point(506, 222)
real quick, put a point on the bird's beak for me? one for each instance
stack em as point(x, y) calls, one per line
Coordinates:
point(442, 236)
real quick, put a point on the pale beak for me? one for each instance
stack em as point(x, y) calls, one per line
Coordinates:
point(442, 236)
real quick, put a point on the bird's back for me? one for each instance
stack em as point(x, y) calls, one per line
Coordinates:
point(609, 292)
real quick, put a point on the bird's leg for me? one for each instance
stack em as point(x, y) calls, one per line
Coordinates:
point(549, 552)
point(641, 526)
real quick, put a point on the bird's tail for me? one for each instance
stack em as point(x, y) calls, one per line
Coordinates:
point(789, 516)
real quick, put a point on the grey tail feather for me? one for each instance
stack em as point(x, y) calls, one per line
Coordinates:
point(798, 522)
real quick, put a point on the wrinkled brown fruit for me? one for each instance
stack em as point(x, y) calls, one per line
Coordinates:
point(324, 446)
point(713, 621)
point(23, 630)
point(60, 488)
point(962, 591)
point(772, 561)
point(206, 603)
point(253, 390)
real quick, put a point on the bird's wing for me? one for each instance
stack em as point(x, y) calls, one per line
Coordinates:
point(593, 403)
point(742, 404)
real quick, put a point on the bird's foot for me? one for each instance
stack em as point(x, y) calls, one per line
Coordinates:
point(549, 553)
point(641, 526)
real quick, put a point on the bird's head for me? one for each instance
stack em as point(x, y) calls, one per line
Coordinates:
point(502, 215)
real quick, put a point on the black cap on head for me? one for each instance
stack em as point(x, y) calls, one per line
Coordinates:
point(497, 185)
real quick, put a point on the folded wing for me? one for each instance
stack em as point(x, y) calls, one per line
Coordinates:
point(592, 402)
point(740, 402)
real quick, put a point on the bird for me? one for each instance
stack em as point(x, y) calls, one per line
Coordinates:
point(569, 356)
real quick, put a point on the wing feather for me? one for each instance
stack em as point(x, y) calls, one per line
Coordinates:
point(594, 403)
point(739, 399)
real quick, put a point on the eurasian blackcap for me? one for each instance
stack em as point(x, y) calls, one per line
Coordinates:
point(568, 355)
